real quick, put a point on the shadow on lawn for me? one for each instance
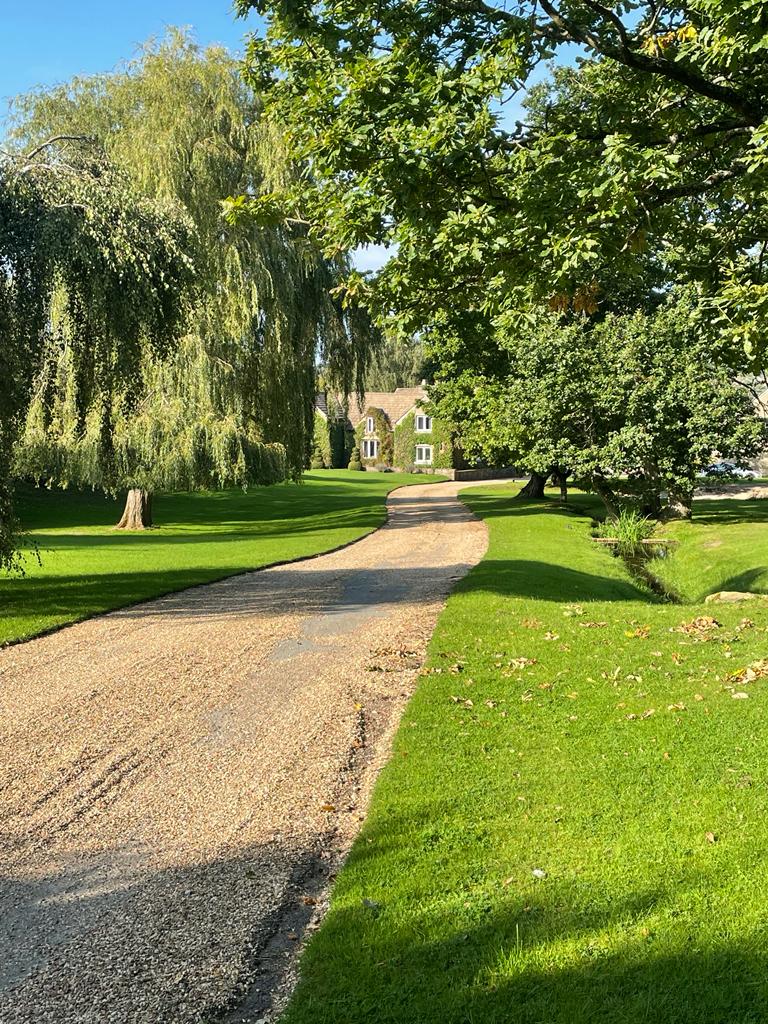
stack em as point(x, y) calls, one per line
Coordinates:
point(402, 978)
point(745, 581)
point(718, 512)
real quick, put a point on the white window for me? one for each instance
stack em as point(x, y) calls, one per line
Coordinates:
point(369, 425)
point(370, 448)
point(423, 454)
point(423, 424)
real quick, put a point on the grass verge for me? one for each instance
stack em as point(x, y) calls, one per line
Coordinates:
point(723, 548)
point(88, 567)
point(572, 827)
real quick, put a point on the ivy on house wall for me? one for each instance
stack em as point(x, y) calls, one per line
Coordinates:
point(382, 429)
point(322, 440)
point(406, 439)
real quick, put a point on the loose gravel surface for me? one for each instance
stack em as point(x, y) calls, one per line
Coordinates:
point(178, 780)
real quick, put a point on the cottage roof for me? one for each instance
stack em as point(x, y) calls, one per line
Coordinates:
point(396, 404)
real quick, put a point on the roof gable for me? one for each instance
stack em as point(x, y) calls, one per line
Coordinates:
point(395, 404)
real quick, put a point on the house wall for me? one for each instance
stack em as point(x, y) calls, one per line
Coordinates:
point(382, 431)
point(406, 439)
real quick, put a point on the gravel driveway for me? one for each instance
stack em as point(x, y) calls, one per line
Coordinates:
point(178, 780)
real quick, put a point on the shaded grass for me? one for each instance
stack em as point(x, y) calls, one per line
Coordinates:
point(88, 567)
point(650, 832)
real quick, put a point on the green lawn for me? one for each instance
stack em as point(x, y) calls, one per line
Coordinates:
point(723, 548)
point(88, 567)
point(573, 827)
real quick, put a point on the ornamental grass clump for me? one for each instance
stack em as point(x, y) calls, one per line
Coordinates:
point(629, 529)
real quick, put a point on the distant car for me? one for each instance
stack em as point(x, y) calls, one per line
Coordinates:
point(729, 469)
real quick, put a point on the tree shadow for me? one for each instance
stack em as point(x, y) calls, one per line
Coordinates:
point(507, 970)
point(719, 512)
point(745, 581)
point(109, 936)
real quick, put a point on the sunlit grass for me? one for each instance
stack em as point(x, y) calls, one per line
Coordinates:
point(86, 566)
point(573, 826)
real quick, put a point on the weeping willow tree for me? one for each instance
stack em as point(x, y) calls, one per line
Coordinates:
point(233, 404)
point(81, 254)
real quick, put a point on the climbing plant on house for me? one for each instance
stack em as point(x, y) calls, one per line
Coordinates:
point(439, 438)
point(382, 432)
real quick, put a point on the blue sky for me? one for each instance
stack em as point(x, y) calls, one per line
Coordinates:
point(49, 41)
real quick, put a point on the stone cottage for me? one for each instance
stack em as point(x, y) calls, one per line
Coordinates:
point(390, 429)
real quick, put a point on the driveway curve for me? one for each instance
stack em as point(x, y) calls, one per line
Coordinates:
point(179, 779)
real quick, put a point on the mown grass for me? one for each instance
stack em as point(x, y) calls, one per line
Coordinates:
point(572, 827)
point(723, 548)
point(86, 566)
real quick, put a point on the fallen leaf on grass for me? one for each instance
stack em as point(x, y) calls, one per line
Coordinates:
point(539, 873)
point(549, 635)
point(464, 701)
point(531, 623)
point(592, 625)
point(740, 695)
point(757, 670)
point(699, 628)
point(641, 633)
point(518, 663)
point(679, 706)
point(698, 696)
point(710, 837)
point(572, 609)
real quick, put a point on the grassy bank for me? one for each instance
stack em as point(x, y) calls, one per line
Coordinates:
point(723, 548)
point(87, 567)
point(573, 824)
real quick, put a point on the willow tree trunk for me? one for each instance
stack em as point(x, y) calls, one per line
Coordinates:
point(137, 514)
point(535, 487)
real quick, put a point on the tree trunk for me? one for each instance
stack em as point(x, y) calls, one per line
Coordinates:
point(137, 514)
point(560, 479)
point(535, 487)
point(679, 505)
point(606, 495)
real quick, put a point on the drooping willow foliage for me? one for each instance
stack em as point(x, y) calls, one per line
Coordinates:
point(82, 255)
point(182, 126)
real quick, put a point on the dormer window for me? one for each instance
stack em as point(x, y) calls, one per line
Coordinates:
point(423, 424)
point(369, 425)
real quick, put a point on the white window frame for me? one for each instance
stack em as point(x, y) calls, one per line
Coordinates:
point(371, 448)
point(369, 425)
point(423, 423)
point(419, 461)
